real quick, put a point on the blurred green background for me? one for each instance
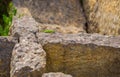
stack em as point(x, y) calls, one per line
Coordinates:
point(7, 11)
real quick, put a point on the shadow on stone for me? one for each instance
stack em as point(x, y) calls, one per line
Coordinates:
point(6, 47)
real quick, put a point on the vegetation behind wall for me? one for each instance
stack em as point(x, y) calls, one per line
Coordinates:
point(7, 11)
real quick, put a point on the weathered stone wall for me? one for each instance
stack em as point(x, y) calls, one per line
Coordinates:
point(33, 53)
point(70, 16)
point(82, 55)
point(63, 16)
point(6, 46)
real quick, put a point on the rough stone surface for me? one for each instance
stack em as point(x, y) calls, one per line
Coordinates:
point(103, 16)
point(58, 74)
point(6, 46)
point(82, 55)
point(58, 15)
point(23, 26)
point(28, 58)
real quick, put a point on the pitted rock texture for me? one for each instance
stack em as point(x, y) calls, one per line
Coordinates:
point(58, 15)
point(103, 16)
point(24, 26)
point(6, 46)
point(28, 58)
point(83, 38)
point(58, 74)
point(82, 55)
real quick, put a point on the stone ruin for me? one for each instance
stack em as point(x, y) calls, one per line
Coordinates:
point(69, 52)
